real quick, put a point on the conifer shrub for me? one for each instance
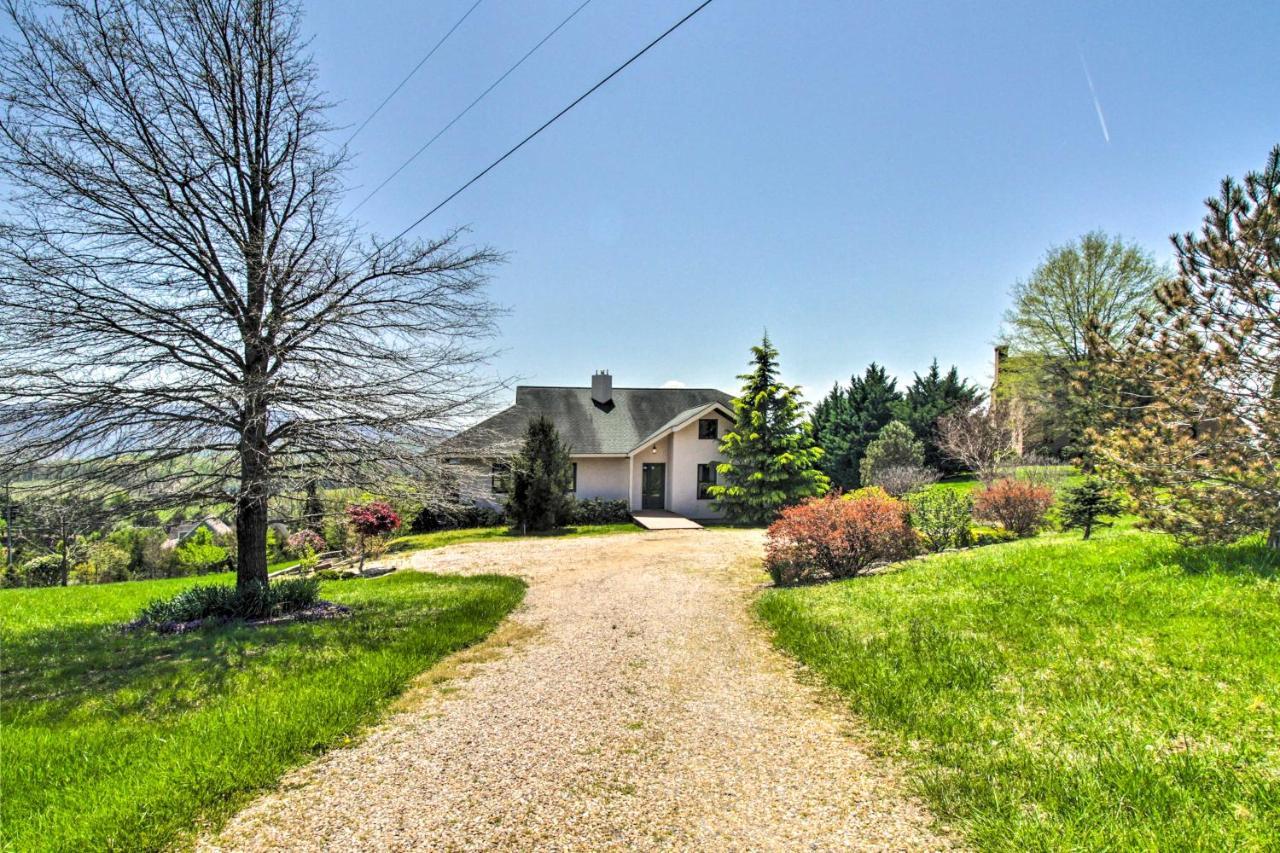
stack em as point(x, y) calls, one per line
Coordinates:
point(834, 538)
point(1088, 505)
point(1018, 506)
point(541, 480)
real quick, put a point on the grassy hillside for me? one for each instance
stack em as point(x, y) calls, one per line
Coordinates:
point(1122, 693)
point(127, 741)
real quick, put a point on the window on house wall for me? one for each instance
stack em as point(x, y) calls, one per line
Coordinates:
point(500, 478)
point(574, 487)
point(708, 428)
point(706, 479)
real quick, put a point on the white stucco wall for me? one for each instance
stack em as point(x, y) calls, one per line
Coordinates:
point(620, 478)
point(687, 451)
point(601, 478)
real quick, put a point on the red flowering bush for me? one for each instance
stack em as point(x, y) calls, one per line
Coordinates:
point(1018, 506)
point(372, 519)
point(837, 538)
point(304, 540)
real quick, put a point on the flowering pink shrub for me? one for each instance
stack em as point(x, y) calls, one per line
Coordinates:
point(299, 542)
point(838, 538)
point(372, 519)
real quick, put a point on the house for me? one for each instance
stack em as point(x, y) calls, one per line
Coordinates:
point(656, 448)
point(178, 533)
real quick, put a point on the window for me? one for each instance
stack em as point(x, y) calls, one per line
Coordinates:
point(500, 478)
point(708, 428)
point(574, 487)
point(706, 479)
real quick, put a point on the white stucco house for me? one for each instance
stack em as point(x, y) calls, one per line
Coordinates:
point(656, 448)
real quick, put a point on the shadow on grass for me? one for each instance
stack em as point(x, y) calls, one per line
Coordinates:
point(57, 674)
point(1248, 557)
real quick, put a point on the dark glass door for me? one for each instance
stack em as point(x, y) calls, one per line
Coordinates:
point(653, 485)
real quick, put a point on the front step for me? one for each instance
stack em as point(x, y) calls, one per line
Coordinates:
point(660, 519)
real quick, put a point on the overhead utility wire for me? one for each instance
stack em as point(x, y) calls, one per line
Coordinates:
point(456, 118)
point(412, 72)
point(552, 120)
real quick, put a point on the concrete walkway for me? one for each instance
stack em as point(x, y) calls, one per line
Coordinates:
point(632, 702)
point(660, 519)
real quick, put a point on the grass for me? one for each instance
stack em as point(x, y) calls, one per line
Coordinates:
point(442, 538)
point(131, 741)
point(1122, 693)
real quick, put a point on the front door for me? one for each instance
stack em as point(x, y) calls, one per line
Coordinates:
point(653, 485)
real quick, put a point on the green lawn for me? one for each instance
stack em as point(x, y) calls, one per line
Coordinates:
point(128, 741)
point(441, 538)
point(1117, 694)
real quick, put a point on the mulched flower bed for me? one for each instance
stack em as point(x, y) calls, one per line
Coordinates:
point(316, 612)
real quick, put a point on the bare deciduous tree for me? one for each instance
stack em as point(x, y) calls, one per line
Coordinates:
point(979, 439)
point(184, 314)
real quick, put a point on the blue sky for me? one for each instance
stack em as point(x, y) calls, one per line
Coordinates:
point(867, 180)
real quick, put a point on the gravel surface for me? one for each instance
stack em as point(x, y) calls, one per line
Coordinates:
point(631, 703)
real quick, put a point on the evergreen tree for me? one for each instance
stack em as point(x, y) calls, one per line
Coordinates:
point(895, 447)
point(772, 460)
point(313, 509)
point(541, 480)
point(846, 421)
point(929, 398)
point(1086, 505)
point(1191, 428)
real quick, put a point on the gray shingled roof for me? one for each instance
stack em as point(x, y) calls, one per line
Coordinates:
point(585, 427)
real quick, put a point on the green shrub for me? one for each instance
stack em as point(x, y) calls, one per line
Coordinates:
point(980, 535)
point(224, 602)
point(943, 517)
point(599, 511)
point(107, 563)
point(333, 575)
point(200, 554)
point(45, 570)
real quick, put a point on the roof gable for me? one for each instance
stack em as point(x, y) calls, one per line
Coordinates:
point(586, 426)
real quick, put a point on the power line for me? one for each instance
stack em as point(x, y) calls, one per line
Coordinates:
point(412, 72)
point(614, 73)
point(456, 118)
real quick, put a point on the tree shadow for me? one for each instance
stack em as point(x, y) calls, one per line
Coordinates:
point(1250, 557)
point(60, 673)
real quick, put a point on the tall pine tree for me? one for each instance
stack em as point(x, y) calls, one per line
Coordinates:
point(929, 398)
point(847, 420)
point(772, 460)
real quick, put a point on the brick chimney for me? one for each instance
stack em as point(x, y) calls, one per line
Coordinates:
point(602, 387)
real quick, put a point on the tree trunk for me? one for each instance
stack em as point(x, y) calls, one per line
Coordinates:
point(1273, 537)
point(251, 502)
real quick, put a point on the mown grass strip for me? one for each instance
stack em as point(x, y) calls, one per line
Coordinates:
point(1122, 693)
point(443, 538)
point(129, 741)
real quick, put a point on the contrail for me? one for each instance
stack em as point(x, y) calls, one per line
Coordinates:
point(1097, 105)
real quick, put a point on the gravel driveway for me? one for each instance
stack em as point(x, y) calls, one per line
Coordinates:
point(632, 704)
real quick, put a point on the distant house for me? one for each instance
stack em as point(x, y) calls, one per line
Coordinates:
point(656, 448)
point(179, 533)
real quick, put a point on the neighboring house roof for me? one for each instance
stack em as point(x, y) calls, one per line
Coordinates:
point(588, 428)
point(179, 532)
